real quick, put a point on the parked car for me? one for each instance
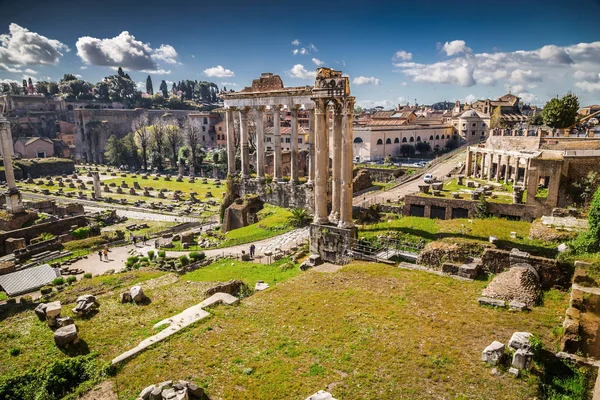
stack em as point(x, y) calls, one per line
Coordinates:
point(428, 178)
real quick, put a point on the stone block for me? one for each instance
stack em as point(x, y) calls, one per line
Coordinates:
point(522, 359)
point(261, 285)
point(321, 395)
point(520, 340)
point(40, 311)
point(514, 372)
point(486, 301)
point(64, 321)
point(53, 309)
point(571, 327)
point(517, 305)
point(494, 353)
point(66, 335)
point(137, 294)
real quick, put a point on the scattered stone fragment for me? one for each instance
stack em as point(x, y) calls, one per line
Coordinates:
point(520, 340)
point(64, 321)
point(493, 353)
point(517, 305)
point(53, 311)
point(66, 336)
point(514, 372)
point(40, 311)
point(137, 294)
point(85, 305)
point(486, 301)
point(261, 285)
point(522, 359)
point(125, 297)
point(321, 395)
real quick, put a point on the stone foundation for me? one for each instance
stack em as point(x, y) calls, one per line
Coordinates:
point(281, 194)
point(330, 242)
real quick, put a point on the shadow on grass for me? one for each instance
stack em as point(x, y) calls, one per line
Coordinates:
point(8, 310)
point(80, 348)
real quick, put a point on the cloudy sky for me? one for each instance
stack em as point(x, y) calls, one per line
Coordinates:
point(392, 51)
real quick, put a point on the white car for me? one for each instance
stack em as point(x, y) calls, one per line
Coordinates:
point(428, 178)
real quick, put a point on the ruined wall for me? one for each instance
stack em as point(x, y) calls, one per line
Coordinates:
point(55, 227)
point(279, 194)
point(512, 143)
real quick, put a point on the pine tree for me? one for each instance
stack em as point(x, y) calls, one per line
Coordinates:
point(149, 88)
point(120, 72)
point(164, 89)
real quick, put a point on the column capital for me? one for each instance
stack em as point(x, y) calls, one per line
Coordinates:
point(320, 105)
point(261, 108)
point(296, 107)
point(348, 105)
point(233, 108)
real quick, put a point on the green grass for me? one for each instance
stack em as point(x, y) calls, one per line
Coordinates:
point(3, 296)
point(226, 269)
point(272, 221)
point(186, 187)
point(450, 186)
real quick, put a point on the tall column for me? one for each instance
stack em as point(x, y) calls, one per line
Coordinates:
point(322, 161)
point(347, 156)
point(498, 168)
point(311, 146)
point(507, 171)
point(490, 169)
point(14, 203)
point(475, 165)
point(294, 146)
point(336, 164)
point(277, 170)
point(526, 175)
point(469, 163)
point(244, 142)
point(483, 157)
point(230, 141)
point(260, 144)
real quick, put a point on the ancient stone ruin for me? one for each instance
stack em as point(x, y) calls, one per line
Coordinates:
point(170, 390)
point(86, 304)
point(135, 294)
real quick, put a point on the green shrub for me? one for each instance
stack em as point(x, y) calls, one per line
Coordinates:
point(58, 281)
point(46, 236)
point(26, 300)
point(184, 260)
point(151, 254)
point(162, 253)
point(145, 259)
point(14, 351)
point(82, 232)
point(87, 275)
point(195, 256)
point(71, 280)
point(46, 290)
point(131, 261)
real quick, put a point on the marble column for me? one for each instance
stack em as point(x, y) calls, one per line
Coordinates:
point(311, 147)
point(336, 164)
point(347, 157)
point(322, 161)
point(526, 174)
point(277, 169)
point(498, 168)
point(469, 163)
point(490, 169)
point(483, 157)
point(14, 204)
point(507, 170)
point(230, 141)
point(294, 146)
point(244, 142)
point(260, 144)
point(476, 165)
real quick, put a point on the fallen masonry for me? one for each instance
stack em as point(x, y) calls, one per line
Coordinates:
point(85, 305)
point(173, 390)
point(321, 395)
point(178, 322)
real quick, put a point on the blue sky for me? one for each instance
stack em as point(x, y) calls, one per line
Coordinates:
point(392, 51)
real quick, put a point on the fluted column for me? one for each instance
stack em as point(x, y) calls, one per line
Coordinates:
point(498, 168)
point(469, 163)
point(230, 141)
point(483, 157)
point(294, 146)
point(347, 156)
point(7, 153)
point(476, 165)
point(277, 170)
point(244, 142)
point(322, 161)
point(336, 164)
point(260, 144)
point(507, 170)
point(489, 174)
point(311, 146)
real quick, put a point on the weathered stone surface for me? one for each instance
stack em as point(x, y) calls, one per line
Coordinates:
point(486, 301)
point(242, 212)
point(493, 353)
point(517, 305)
point(85, 305)
point(520, 283)
point(321, 395)
point(137, 294)
point(233, 287)
point(125, 297)
point(362, 180)
point(520, 340)
point(40, 311)
point(145, 394)
point(64, 321)
point(53, 309)
point(195, 391)
point(66, 335)
point(522, 359)
point(260, 286)
point(514, 372)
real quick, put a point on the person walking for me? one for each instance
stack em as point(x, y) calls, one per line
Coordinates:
point(106, 254)
point(134, 240)
point(252, 249)
point(100, 254)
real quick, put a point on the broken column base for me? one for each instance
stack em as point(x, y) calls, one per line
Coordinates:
point(14, 202)
point(330, 242)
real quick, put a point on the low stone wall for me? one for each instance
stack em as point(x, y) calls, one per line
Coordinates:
point(281, 194)
point(55, 227)
point(551, 272)
point(383, 175)
point(445, 208)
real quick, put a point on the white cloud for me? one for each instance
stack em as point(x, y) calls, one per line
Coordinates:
point(83, 67)
point(587, 86)
point(318, 62)
point(587, 76)
point(364, 80)
point(298, 71)
point(157, 71)
point(305, 50)
point(313, 48)
point(229, 84)
point(525, 76)
point(77, 76)
point(456, 47)
point(7, 68)
point(166, 53)
point(140, 85)
point(8, 81)
point(517, 88)
point(295, 51)
point(387, 104)
point(219, 72)
point(123, 51)
point(470, 98)
point(528, 97)
point(402, 55)
point(404, 84)
point(22, 47)
point(296, 42)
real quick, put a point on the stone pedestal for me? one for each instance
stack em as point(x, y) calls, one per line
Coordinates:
point(14, 203)
point(330, 242)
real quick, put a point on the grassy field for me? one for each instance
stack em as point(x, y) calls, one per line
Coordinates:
point(415, 229)
point(368, 331)
point(502, 196)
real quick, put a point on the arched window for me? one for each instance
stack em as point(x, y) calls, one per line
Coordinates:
point(403, 140)
point(396, 140)
point(418, 138)
point(437, 137)
point(412, 139)
point(359, 140)
point(443, 137)
point(379, 141)
point(205, 121)
point(388, 141)
point(431, 137)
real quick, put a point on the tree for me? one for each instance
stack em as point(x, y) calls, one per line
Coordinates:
point(582, 190)
point(215, 157)
point(68, 77)
point(496, 121)
point(387, 160)
point(482, 209)
point(191, 131)
point(407, 150)
point(131, 149)
point(423, 147)
point(537, 119)
point(157, 160)
point(120, 72)
point(53, 88)
point(164, 89)
point(149, 88)
point(157, 136)
point(41, 87)
point(561, 113)
point(75, 89)
point(223, 157)
point(142, 135)
point(116, 152)
point(299, 217)
point(173, 138)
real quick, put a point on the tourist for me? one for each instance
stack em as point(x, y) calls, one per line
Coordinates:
point(145, 238)
point(134, 240)
point(106, 253)
point(100, 254)
point(252, 249)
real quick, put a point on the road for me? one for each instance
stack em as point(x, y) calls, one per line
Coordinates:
point(396, 194)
